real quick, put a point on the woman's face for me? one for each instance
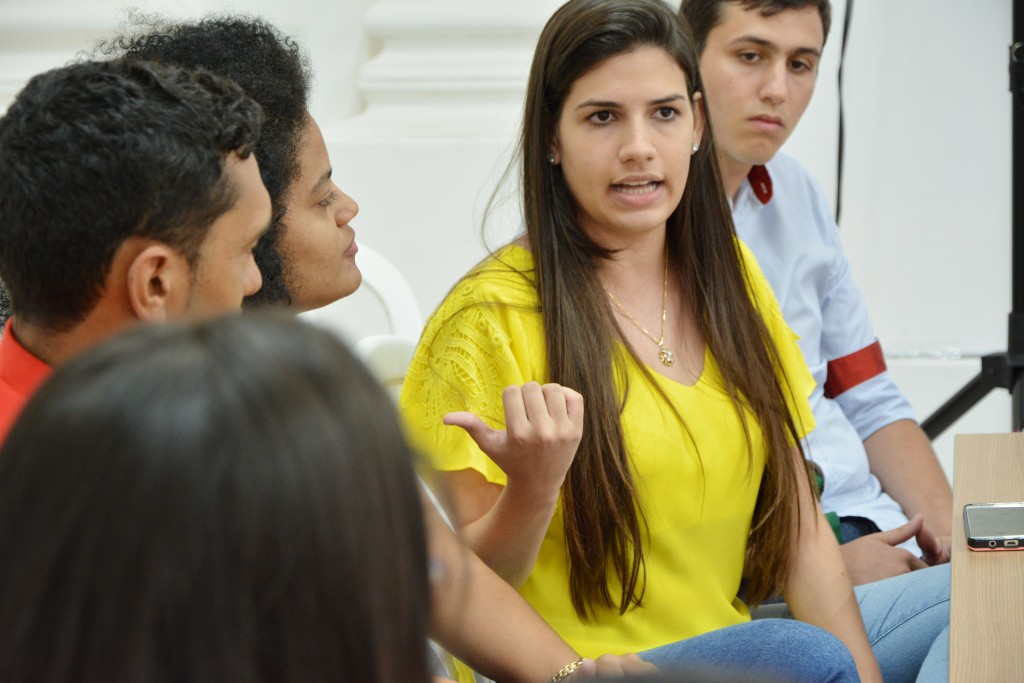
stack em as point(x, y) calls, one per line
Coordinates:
point(624, 141)
point(318, 245)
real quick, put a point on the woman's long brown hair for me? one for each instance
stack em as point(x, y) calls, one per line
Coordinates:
point(604, 527)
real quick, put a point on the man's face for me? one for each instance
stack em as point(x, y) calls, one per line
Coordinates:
point(759, 75)
point(225, 270)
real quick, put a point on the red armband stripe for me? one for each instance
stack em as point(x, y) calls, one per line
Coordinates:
point(847, 372)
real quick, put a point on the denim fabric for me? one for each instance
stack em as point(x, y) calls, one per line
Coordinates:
point(907, 621)
point(853, 528)
point(936, 664)
point(781, 649)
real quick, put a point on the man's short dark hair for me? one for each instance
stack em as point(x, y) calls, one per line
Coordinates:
point(97, 152)
point(271, 69)
point(704, 15)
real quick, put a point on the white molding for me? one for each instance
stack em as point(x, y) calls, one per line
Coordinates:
point(46, 34)
point(447, 50)
point(48, 19)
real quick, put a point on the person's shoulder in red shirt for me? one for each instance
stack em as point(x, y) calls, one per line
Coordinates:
point(21, 373)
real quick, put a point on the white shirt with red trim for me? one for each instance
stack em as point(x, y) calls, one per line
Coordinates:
point(781, 213)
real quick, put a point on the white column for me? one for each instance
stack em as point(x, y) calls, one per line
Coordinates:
point(442, 99)
point(446, 55)
point(42, 35)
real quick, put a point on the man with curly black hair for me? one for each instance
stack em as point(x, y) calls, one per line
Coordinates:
point(128, 192)
point(311, 215)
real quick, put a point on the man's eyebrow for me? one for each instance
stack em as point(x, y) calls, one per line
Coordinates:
point(769, 45)
point(614, 105)
point(323, 180)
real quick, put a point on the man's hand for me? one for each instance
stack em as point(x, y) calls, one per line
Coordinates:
point(615, 665)
point(936, 549)
point(543, 428)
point(875, 556)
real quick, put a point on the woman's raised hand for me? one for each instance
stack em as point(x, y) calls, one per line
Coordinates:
point(543, 428)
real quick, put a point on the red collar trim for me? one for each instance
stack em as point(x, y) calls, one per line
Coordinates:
point(761, 183)
point(18, 367)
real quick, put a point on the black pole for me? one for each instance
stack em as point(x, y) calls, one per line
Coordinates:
point(842, 118)
point(1015, 342)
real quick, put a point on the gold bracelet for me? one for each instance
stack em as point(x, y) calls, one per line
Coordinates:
point(566, 671)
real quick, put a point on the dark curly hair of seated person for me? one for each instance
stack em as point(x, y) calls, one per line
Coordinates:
point(96, 152)
point(272, 70)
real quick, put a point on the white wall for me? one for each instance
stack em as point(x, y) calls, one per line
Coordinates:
point(927, 192)
point(419, 101)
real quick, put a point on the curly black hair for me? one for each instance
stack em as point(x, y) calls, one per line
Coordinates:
point(5, 306)
point(97, 152)
point(272, 70)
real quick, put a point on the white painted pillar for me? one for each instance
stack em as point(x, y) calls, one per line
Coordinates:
point(442, 98)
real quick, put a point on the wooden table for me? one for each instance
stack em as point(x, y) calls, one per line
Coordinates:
point(987, 606)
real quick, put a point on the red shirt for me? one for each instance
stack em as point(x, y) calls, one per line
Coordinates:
point(21, 373)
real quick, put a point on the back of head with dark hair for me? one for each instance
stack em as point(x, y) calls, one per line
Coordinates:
point(272, 70)
point(704, 15)
point(97, 152)
point(229, 501)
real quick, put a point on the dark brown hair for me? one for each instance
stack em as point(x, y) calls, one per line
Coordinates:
point(604, 528)
point(94, 153)
point(272, 70)
point(230, 501)
point(704, 15)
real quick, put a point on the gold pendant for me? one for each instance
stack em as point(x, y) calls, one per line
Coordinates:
point(666, 357)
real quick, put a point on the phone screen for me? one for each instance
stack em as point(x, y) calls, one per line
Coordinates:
point(988, 521)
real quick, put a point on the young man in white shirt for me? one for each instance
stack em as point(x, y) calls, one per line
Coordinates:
point(759, 63)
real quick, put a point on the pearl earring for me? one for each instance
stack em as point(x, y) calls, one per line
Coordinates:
point(551, 159)
point(696, 146)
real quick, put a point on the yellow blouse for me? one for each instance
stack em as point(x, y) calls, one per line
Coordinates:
point(697, 489)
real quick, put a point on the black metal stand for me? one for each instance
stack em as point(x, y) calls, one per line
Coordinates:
point(1002, 370)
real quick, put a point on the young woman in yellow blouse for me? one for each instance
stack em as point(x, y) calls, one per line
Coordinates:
point(628, 508)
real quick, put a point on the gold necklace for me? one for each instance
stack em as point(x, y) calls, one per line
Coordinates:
point(666, 357)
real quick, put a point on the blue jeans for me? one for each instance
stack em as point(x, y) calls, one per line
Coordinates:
point(854, 527)
point(907, 621)
point(906, 618)
point(781, 649)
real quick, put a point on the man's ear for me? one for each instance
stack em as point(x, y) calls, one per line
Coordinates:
point(159, 280)
point(699, 117)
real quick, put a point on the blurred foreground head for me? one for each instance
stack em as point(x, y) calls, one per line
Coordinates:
point(224, 501)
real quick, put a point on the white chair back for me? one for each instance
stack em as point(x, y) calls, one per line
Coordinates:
point(387, 356)
point(394, 292)
point(384, 304)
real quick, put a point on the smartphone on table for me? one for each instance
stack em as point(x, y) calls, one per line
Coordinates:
point(994, 526)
